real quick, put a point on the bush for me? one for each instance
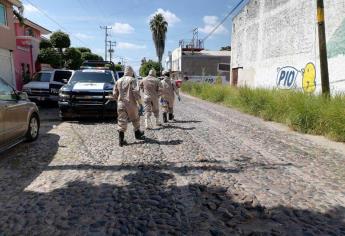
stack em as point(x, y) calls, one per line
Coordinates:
point(302, 112)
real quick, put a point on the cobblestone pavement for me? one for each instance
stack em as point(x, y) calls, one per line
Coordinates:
point(214, 171)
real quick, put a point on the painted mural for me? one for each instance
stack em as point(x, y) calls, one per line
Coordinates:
point(309, 78)
point(336, 45)
point(288, 76)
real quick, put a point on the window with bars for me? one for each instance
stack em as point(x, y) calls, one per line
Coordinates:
point(3, 15)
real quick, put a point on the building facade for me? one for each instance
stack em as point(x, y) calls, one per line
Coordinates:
point(8, 40)
point(275, 45)
point(186, 64)
point(28, 38)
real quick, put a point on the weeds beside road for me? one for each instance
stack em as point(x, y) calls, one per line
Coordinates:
point(302, 112)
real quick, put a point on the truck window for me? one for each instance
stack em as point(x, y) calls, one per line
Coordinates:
point(42, 77)
point(59, 76)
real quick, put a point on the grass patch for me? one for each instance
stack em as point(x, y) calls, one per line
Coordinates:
point(302, 112)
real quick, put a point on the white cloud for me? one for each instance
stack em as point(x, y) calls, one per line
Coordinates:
point(125, 45)
point(83, 36)
point(122, 28)
point(170, 17)
point(210, 22)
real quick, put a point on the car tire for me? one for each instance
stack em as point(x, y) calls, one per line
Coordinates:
point(33, 128)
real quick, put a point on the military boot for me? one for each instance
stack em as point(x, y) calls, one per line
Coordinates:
point(165, 117)
point(171, 116)
point(139, 135)
point(122, 141)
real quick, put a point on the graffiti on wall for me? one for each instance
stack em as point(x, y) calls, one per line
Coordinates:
point(336, 45)
point(309, 78)
point(288, 76)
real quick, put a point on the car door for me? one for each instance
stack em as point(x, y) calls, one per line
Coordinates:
point(14, 114)
point(59, 79)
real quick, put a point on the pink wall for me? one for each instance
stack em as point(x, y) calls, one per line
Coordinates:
point(26, 52)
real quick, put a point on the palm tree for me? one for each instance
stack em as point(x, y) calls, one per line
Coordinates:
point(159, 28)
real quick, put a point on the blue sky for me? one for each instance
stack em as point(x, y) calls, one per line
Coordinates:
point(129, 21)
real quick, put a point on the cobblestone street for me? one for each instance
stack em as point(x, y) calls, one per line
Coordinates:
point(214, 171)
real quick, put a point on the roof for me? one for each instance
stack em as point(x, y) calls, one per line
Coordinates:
point(36, 26)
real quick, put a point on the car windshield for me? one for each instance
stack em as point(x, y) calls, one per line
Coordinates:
point(42, 77)
point(92, 77)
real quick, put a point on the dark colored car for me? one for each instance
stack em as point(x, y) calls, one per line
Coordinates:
point(88, 94)
point(19, 118)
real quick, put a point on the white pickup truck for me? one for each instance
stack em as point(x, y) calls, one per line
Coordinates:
point(45, 85)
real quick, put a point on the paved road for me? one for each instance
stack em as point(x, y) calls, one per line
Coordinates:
point(213, 172)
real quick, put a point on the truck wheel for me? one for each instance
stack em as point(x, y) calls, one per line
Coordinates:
point(33, 128)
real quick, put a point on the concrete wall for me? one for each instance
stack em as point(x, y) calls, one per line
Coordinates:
point(276, 43)
point(203, 65)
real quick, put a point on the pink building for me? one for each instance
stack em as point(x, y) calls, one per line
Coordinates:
point(28, 38)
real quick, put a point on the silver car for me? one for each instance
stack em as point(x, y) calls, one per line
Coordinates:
point(19, 118)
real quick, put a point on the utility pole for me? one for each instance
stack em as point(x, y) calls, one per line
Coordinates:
point(323, 48)
point(111, 50)
point(106, 28)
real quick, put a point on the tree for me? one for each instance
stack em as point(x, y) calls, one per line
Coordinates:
point(90, 56)
point(84, 49)
point(72, 58)
point(147, 66)
point(118, 67)
point(50, 56)
point(159, 28)
point(45, 43)
point(226, 48)
point(60, 40)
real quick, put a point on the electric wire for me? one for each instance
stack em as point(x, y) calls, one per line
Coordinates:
point(57, 23)
point(222, 22)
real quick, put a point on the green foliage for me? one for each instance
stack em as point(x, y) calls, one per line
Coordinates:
point(147, 66)
point(50, 56)
point(159, 28)
point(226, 48)
point(302, 112)
point(45, 43)
point(60, 40)
point(72, 58)
point(84, 49)
point(90, 56)
point(118, 67)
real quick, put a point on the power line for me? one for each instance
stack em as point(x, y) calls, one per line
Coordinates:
point(57, 23)
point(222, 22)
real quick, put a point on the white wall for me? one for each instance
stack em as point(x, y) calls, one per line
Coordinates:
point(6, 67)
point(273, 38)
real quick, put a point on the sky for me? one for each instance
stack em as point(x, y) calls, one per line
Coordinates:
point(129, 20)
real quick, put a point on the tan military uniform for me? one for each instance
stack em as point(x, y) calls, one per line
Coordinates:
point(169, 90)
point(151, 86)
point(127, 97)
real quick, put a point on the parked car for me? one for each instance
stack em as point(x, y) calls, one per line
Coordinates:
point(19, 118)
point(88, 93)
point(45, 85)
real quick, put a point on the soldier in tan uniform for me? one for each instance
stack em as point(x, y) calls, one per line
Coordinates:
point(128, 98)
point(169, 90)
point(151, 86)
